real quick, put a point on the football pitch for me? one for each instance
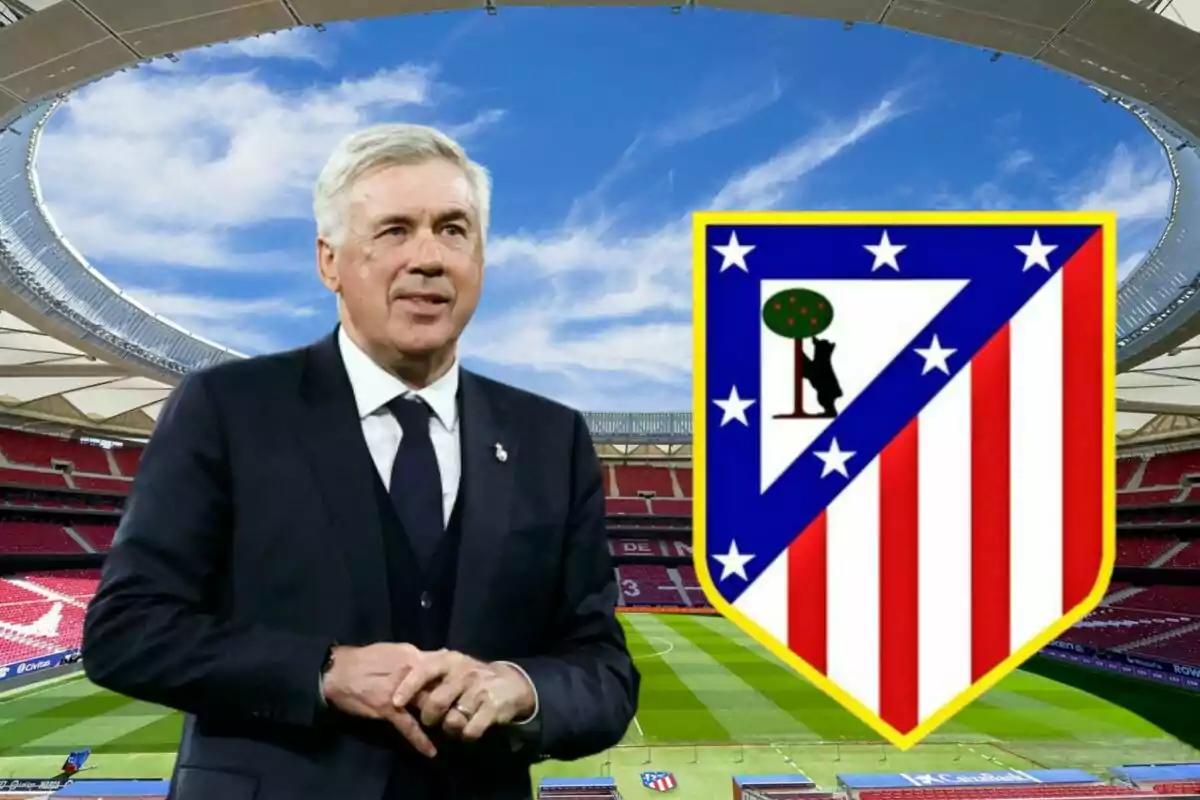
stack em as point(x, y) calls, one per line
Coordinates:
point(713, 704)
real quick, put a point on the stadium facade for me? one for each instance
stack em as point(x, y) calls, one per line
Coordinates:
point(76, 354)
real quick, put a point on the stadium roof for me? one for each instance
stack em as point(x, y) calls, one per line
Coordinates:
point(76, 353)
point(51, 384)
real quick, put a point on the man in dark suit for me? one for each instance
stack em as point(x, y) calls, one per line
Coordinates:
point(360, 570)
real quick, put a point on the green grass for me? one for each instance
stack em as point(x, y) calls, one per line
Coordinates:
point(713, 704)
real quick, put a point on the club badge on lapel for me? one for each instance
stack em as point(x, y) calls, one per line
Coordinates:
point(501, 453)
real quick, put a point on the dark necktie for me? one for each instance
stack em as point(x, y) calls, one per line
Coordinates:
point(416, 487)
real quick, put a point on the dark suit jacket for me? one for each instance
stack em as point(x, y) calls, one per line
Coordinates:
point(251, 541)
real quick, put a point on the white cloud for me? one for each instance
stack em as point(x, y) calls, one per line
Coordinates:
point(1136, 184)
point(709, 117)
point(614, 306)
point(764, 185)
point(170, 168)
point(988, 196)
point(705, 117)
point(236, 323)
point(293, 44)
point(472, 127)
point(1015, 160)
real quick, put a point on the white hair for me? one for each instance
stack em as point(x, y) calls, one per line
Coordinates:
point(382, 146)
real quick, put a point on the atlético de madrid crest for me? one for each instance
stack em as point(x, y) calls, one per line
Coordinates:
point(904, 445)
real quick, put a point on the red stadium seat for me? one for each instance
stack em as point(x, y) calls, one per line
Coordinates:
point(92, 484)
point(1169, 469)
point(1187, 558)
point(648, 585)
point(684, 476)
point(626, 505)
point(35, 537)
point(1147, 498)
point(1108, 627)
point(1139, 551)
point(632, 479)
point(98, 536)
point(40, 619)
point(674, 507)
point(1178, 787)
point(1126, 469)
point(128, 459)
point(37, 450)
point(10, 476)
point(1173, 599)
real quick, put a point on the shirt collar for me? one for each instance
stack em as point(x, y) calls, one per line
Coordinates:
point(374, 387)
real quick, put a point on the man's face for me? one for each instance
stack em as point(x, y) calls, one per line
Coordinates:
point(410, 264)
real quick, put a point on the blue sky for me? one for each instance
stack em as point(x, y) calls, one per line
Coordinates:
point(189, 184)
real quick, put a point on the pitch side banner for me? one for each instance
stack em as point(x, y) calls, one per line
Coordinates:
point(1156, 669)
point(904, 448)
point(19, 668)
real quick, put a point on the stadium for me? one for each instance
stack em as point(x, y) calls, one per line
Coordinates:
point(84, 371)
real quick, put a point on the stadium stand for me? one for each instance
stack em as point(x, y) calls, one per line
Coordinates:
point(648, 585)
point(62, 497)
point(1140, 551)
point(42, 614)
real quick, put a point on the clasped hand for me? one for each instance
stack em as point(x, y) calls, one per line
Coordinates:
point(409, 688)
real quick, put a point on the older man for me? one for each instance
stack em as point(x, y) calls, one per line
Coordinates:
point(360, 569)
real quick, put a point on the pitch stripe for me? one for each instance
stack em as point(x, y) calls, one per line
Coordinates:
point(851, 594)
point(100, 729)
point(899, 484)
point(745, 713)
point(990, 505)
point(806, 614)
point(1082, 430)
point(1036, 485)
point(944, 551)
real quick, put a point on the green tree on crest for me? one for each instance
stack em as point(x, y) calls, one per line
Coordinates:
point(798, 314)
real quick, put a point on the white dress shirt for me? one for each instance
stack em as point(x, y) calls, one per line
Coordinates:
point(373, 388)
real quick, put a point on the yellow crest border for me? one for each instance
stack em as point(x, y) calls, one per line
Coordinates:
point(701, 221)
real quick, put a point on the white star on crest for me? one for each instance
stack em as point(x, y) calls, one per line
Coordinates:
point(835, 459)
point(734, 408)
point(885, 253)
point(734, 253)
point(733, 562)
point(1036, 253)
point(935, 356)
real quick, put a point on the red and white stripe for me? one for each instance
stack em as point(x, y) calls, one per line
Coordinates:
point(976, 529)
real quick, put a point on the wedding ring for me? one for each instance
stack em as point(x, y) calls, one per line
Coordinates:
point(463, 711)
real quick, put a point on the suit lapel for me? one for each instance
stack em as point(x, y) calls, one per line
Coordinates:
point(331, 437)
point(487, 495)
